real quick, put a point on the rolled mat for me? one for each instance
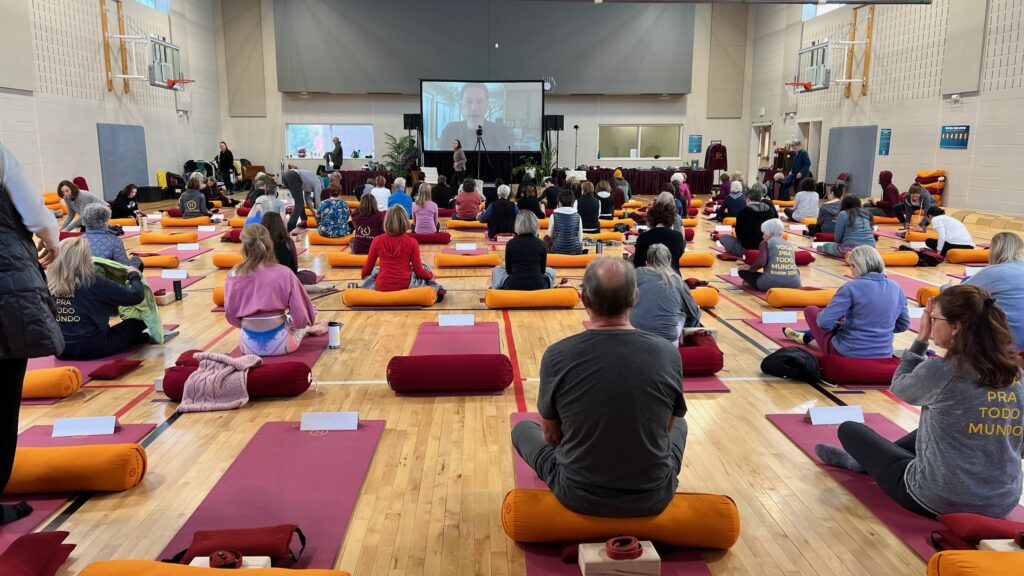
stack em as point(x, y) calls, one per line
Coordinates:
point(154, 568)
point(362, 297)
point(279, 380)
point(316, 239)
point(96, 468)
point(696, 260)
point(335, 464)
point(550, 298)
point(456, 261)
point(160, 261)
point(59, 382)
point(226, 260)
point(346, 260)
point(963, 256)
point(570, 260)
point(168, 237)
point(171, 222)
point(975, 563)
point(449, 373)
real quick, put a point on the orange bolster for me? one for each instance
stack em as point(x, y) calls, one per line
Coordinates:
point(913, 236)
point(217, 203)
point(697, 260)
point(784, 203)
point(886, 220)
point(123, 222)
point(316, 239)
point(705, 296)
point(225, 260)
point(218, 296)
point(619, 213)
point(935, 185)
point(346, 260)
point(311, 222)
point(689, 222)
point(466, 225)
point(155, 568)
point(730, 221)
point(900, 258)
point(422, 296)
point(466, 261)
point(352, 203)
point(59, 382)
point(964, 256)
point(611, 223)
point(237, 222)
point(696, 202)
point(310, 212)
point(809, 221)
point(926, 293)
point(604, 235)
point(90, 468)
point(795, 297)
point(691, 520)
point(550, 298)
point(976, 563)
point(930, 173)
point(168, 238)
point(172, 222)
point(542, 224)
point(160, 261)
point(633, 204)
point(570, 260)
point(51, 198)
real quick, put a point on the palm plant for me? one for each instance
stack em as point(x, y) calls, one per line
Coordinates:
point(396, 151)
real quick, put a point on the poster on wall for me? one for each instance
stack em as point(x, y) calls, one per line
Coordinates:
point(884, 141)
point(696, 143)
point(954, 137)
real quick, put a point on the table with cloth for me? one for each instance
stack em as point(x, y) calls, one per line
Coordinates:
point(647, 181)
point(351, 178)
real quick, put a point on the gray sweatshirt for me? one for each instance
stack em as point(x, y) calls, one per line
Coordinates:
point(663, 308)
point(778, 258)
point(969, 440)
point(76, 207)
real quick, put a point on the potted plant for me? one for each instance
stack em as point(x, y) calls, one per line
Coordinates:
point(395, 152)
point(535, 169)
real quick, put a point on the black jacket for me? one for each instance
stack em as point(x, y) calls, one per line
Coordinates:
point(123, 207)
point(502, 219)
point(226, 162)
point(441, 194)
point(748, 224)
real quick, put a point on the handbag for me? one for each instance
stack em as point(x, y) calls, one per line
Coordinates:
point(272, 541)
point(792, 363)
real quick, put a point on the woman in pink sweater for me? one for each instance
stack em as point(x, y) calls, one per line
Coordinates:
point(266, 300)
point(424, 212)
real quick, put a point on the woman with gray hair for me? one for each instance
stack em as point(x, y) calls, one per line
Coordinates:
point(500, 215)
point(864, 314)
point(1004, 280)
point(103, 242)
point(664, 305)
point(778, 259)
point(526, 259)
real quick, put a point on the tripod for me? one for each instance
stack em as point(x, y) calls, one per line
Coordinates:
point(576, 147)
point(480, 147)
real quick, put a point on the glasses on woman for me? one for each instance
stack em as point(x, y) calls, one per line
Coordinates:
point(934, 318)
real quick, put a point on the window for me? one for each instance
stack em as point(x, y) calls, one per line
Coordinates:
point(314, 140)
point(810, 10)
point(644, 141)
point(161, 5)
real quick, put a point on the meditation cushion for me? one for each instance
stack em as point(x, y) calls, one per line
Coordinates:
point(167, 222)
point(926, 293)
point(845, 370)
point(696, 260)
point(233, 235)
point(604, 235)
point(160, 261)
point(689, 222)
point(705, 296)
point(466, 225)
point(243, 210)
point(688, 233)
point(696, 202)
point(449, 373)
point(226, 260)
point(701, 356)
point(218, 295)
point(36, 554)
point(59, 382)
point(974, 528)
point(976, 563)
point(168, 238)
point(784, 203)
point(175, 212)
point(798, 297)
point(346, 260)
point(886, 220)
point(802, 257)
point(825, 237)
point(571, 260)
point(638, 204)
point(930, 173)
point(914, 236)
point(88, 468)
point(433, 238)
point(691, 520)
point(281, 379)
point(809, 221)
point(549, 298)
point(51, 198)
point(611, 223)
point(730, 221)
point(114, 369)
point(123, 222)
point(422, 296)
point(899, 257)
point(491, 259)
point(445, 212)
point(154, 568)
point(237, 222)
point(317, 240)
point(964, 256)
point(693, 211)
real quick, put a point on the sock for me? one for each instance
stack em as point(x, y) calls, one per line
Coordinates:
point(11, 512)
point(797, 336)
point(836, 456)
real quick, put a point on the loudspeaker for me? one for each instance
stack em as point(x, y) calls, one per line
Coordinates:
point(554, 122)
point(413, 121)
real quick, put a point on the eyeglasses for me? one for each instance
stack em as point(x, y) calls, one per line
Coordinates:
point(934, 318)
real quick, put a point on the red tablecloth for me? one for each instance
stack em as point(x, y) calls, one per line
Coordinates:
point(647, 182)
point(350, 178)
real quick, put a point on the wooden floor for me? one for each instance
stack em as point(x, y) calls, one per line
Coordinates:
point(430, 504)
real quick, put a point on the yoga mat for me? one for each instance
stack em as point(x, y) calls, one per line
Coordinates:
point(738, 282)
point(773, 331)
point(480, 338)
point(891, 233)
point(910, 285)
point(84, 366)
point(545, 559)
point(158, 283)
point(474, 252)
point(184, 255)
point(308, 352)
point(210, 234)
point(912, 529)
point(44, 505)
point(127, 235)
point(286, 475)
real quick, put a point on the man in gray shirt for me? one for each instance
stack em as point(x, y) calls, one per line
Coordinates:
point(612, 436)
point(300, 183)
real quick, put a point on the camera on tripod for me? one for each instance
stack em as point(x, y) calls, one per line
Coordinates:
point(479, 131)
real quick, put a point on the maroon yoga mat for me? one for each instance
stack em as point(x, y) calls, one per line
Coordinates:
point(473, 252)
point(44, 505)
point(158, 283)
point(546, 560)
point(480, 338)
point(308, 352)
point(184, 255)
point(913, 530)
point(738, 282)
point(86, 367)
point(910, 285)
point(286, 475)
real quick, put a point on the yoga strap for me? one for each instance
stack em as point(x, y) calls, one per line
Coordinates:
point(623, 548)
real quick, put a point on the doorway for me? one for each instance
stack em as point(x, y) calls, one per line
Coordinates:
point(810, 135)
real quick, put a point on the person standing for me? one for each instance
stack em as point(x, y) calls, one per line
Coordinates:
point(412, 158)
point(458, 161)
point(226, 163)
point(801, 165)
point(28, 328)
point(337, 154)
point(300, 183)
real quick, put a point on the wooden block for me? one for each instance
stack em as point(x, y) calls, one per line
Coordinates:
point(999, 546)
point(164, 299)
point(594, 562)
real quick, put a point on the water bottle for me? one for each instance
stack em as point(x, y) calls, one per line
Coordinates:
point(334, 335)
point(600, 247)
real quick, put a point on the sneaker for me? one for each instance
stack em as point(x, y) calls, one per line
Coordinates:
point(440, 295)
point(794, 335)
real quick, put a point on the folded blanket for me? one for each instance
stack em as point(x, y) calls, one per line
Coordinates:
point(219, 383)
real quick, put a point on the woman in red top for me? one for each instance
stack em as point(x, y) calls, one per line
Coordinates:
point(399, 253)
point(367, 224)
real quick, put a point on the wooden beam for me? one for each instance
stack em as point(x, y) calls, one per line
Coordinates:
point(847, 87)
point(124, 49)
point(869, 37)
point(106, 45)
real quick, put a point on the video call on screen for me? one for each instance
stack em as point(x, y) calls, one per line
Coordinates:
point(509, 113)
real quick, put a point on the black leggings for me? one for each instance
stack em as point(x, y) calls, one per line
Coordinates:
point(122, 335)
point(293, 181)
point(750, 278)
point(10, 404)
point(934, 245)
point(885, 461)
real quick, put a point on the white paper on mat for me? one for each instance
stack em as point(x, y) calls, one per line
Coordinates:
point(207, 228)
point(174, 274)
point(188, 246)
point(835, 414)
point(461, 246)
point(329, 421)
point(915, 312)
point(86, 426)
point(455, 320)
point(783, 317)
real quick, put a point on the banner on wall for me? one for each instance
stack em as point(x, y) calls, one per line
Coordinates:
point(954, 137)
point(884, 141)
point(696, 143)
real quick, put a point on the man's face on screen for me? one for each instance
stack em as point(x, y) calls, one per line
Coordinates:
point(474, 106)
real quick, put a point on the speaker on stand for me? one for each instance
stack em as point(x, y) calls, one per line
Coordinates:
point(553, 123)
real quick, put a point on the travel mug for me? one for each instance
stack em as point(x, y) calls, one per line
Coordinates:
point(177, 289)
point(334, 335)
point(600, 247)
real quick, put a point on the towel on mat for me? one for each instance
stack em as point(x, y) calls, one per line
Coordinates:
point(219, 383)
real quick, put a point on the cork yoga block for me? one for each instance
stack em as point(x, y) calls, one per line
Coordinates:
point(90, 468)
point(59, 382)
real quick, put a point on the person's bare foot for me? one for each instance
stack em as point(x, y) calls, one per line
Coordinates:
point(318, 329)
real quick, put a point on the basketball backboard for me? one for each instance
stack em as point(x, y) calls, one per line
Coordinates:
point(813, 68)
point(164, 64)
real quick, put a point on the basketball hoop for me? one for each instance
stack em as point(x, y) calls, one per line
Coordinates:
point(179, 84)
point(799, 87)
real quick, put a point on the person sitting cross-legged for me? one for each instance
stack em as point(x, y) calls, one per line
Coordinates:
point(604, 448)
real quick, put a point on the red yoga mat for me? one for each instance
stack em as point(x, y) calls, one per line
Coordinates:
point(912, 529)
point(84, 366)
point(44, 505)
point(158, 283)
point(286, 475)
point(545, 559)
point(184, 255)
point(308, 352)
point(473, 252)
point(773, 331)
point(434, 340)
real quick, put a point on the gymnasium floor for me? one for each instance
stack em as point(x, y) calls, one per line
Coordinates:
point(430, 504)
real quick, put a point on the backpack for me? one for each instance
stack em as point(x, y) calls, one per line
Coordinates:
point(793, 363)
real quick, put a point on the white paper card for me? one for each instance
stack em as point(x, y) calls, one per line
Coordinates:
point(835, 414)
point(174, 274)
point(461, 246)
point(876, 228)
point(918, 245)
point(207, 228)
point(158, 385)
point(156, 216)
point(915, 312)
point(723, 228)
point(215, 218)
point(734, 271)
point(797, 227)
point(429, 174)
point(816, 245)
point(87, 426)
point(329, 421)
point(778, 317)
point(972, 270)
point(132, 228)
point(184, 246)
point(455, 320)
